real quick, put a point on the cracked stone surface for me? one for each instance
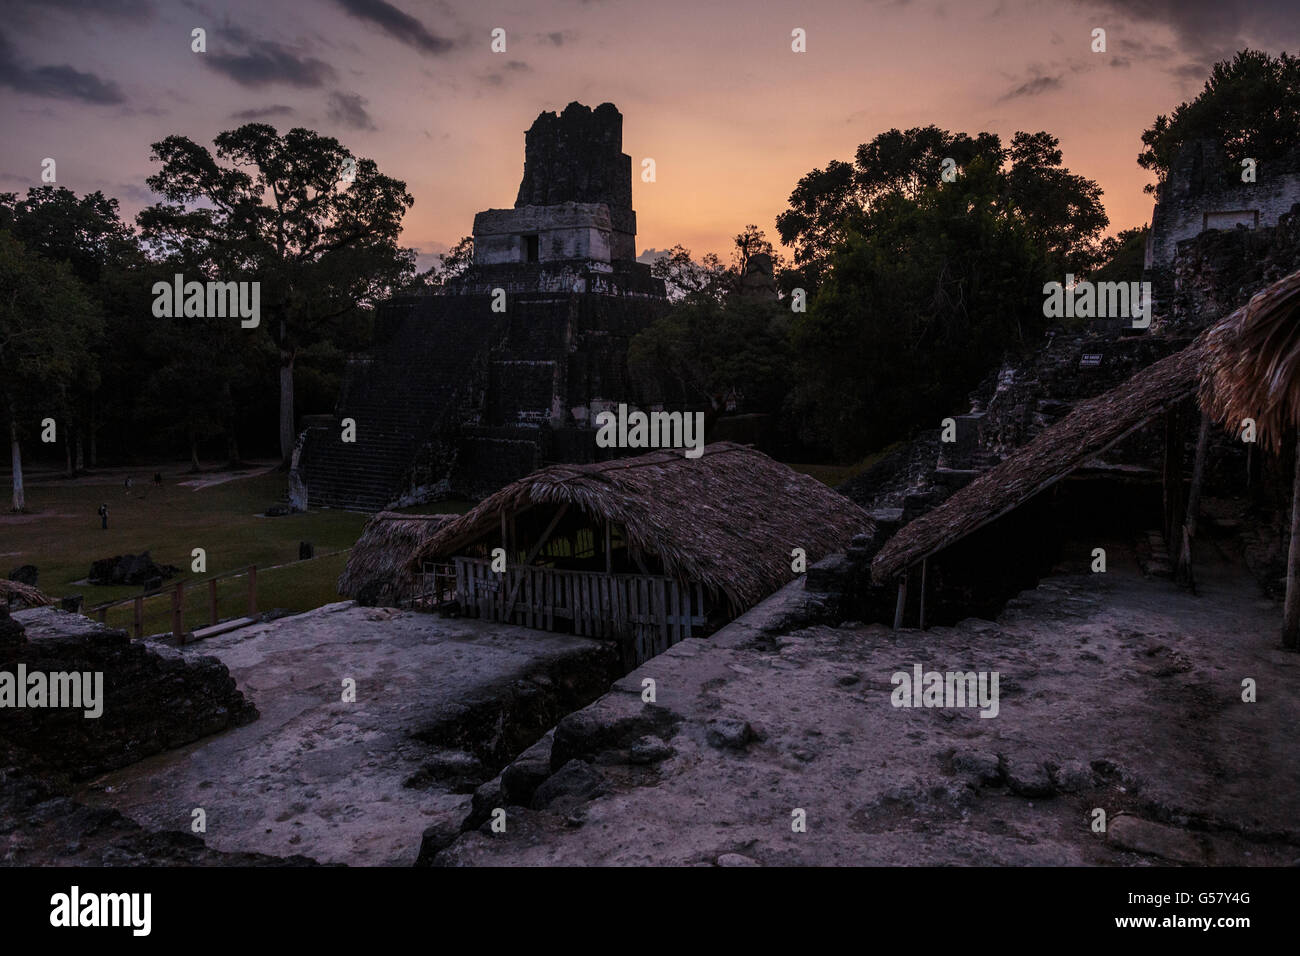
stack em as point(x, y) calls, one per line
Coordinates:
point(1117, 692)
point(357, 783)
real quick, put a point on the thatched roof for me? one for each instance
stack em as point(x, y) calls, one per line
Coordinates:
point(1253, 364)
point(727, 519)
point(15, 592)
point(384, 551)
point(1091, 428)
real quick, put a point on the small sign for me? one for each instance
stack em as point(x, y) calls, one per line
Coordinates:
point(1090, 360)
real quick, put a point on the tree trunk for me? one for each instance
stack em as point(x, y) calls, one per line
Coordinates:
point(232, 438)
point(79, 459)
point(67, 454)
point(1291, 617)
point(20, 500)
point(94, 450)
point(286, 405)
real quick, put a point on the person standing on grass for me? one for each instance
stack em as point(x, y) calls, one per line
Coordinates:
point(103, 517)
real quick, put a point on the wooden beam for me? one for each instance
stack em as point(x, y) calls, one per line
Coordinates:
point(514, 591)
point(546, 535)
point(924, 568)
point(1171, 481)
point(1193, 503)
point(609, 558)
point(1291, 615)
point(178, 613)
point(902, 601)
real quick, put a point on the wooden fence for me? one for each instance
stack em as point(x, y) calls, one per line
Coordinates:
point(645, 614)
point(177, 592)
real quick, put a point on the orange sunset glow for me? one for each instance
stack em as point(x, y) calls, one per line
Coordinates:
point(712, 92)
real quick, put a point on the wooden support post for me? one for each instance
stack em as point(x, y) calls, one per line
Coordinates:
point(609, 557)
point(902, 601)
point(1171, 478)
point(178, 613)
point(252, 590)
point(1193, 503)
point(103, 615)
point(1291, 615)
point(212, 601)
point(925, 562)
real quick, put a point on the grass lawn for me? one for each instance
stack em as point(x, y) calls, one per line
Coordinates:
point(61, 535)
point(836, 475)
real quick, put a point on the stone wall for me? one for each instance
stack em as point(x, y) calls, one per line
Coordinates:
point(153, 698)
point(566, 231)
point(1219, 271)
point(578, 156)
point(457, 397)
point(1203, 192)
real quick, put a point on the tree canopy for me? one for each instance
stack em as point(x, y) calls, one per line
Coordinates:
point(1250, 106)
point(920, 301)
point(1061, 210)
point(48, 325)
point(316, 226)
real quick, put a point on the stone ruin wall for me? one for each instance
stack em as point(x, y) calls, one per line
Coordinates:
point(153, 698)
point(1217, 272)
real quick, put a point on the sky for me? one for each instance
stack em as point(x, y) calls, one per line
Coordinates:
point(710, 90)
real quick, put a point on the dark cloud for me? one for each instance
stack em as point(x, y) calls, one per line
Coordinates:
point(264, 63)
point(556, 37)
point(56, 82)
point(1214, 28)
point(135, 11)
point(349, 109)
point(1035, 87)
point(262, 112)
point(498, 78)
point(395, 23)
point(1198, 72)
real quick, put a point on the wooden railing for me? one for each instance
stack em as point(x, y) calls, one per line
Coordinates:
point(178, 592)
point(646, 614)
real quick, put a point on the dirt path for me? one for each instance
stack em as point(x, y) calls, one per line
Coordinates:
point(142, 476)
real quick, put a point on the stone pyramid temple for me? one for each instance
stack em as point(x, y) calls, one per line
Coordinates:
point(458, 397)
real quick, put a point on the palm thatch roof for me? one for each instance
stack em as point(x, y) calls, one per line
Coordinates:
point(383, 553)
point(15, 592)
point(728, 519)
point(1090, 429)
point(1253, 364)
